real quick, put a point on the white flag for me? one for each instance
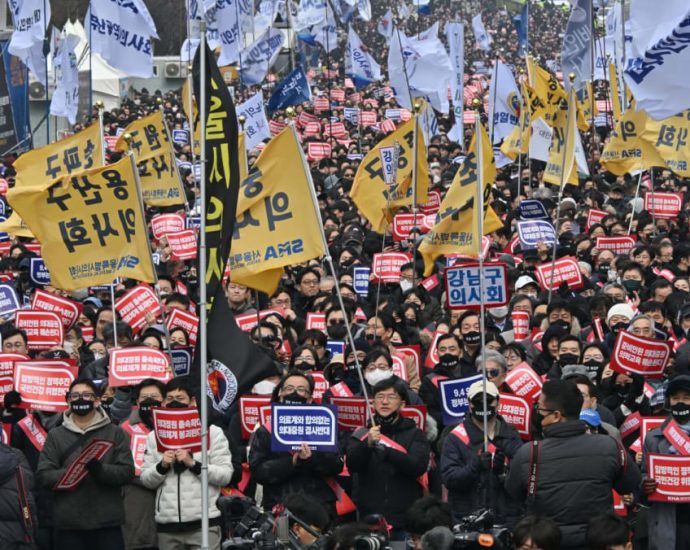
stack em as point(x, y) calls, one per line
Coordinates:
point(122, 33)
point(455, 33)
point(258, 58)
point(385, 26)
point(65, 101)
point(361, 66)
point(311, 13)
point(504, 102)
point(657, 70)
point(31, 19)
point(256, 126)
point(265, 16)
point(430, 33)
point(228, 31)
point(483, 38)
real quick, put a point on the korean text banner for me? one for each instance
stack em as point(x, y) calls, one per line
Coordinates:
point(91, 226)
point(82, 151)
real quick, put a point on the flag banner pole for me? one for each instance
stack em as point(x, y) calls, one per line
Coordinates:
point(637, 194)
point(99, 106)
point(183, 194)
point(415, 172)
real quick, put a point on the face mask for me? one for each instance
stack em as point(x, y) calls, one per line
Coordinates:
point(499, 312)
point(386, 420)
point(568, 359)
point(593, 365)
point(619, 326)
point(405, 285)
point(471, 338)
point(448, 360)
point(106, 404)
point(373, 338)
point(478, 411)
point(336, 332)
point(176, 405)
point(632, 284)
point(265, 387)
point(537, 419)
point(561, 323)
point(377, 375)
point(81, 407)
point(98, 355)
point(294, 398)
point(681, 413)
point(604, 268)
point(69, 347)
point(145, 412)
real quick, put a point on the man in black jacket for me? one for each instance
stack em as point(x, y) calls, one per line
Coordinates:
point(569, 476)
point(17, 510)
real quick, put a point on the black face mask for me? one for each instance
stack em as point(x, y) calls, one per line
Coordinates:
point(448, 360)
point(337, 331)
point(604, 268)
point(681, 413)
point(106, 404)
point(294, 398)
point(537, 419)
point(478, 412)
point(593, 366)
point(386, 420)
point(619, 326)
point(472, 338)
point(145, 412)
point(568, 359)
point(81, 407)
point(561, 323)
point(176, 405)
point(372, 338)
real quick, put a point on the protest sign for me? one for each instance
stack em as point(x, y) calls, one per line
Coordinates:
point(186, 321)
point(532, 210)
point(416, 413)
point(76, 471)
point(566, 270)
point(399, 368)
point(521, 322)
point(677, 437)
point(665, 206)
point(134, 305)
point(454, 398)
point(517, 412)
point(7, 361)
point(177, 429)
point(320, 385)
point(316, 321)
point(631, 424)
point(594, 217)
point(294, 425)
point(250, 406)
point(183, 244)
point(524, 382)
point(43, 328)
point(38, 272)
point(432, 358)
point(617, 245)
point(635, 354)
point(163, 224)
point(433, 203)
point(463, 285)
point(181, 361)
point(247, 321)
point(9, 303)
point(360, 280)
point(533, 232)
point(67, 310)
point(352, 412)
point(672, 476)
point(43, 385)
point(129, 366)
point(386, 266)
point(403, 224)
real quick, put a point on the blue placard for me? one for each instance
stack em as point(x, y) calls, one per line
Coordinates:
point(181, 361)
point(454, 398)
point(532, 210)
point(464, 282)
point(335, 346)
point(9, 303)
point(531, 233)
point(315, 425)
point(193, 222)
point(4, 237)
point(180, 136)
point(360, 280)
point(3, 207)
point(38, 272)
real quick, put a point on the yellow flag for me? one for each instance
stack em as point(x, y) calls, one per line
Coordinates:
point(82, 151)
point(638, 142)
point(277, 223)
point(615, 93)
point(242, 155)
point(160, 182)
point(517, 143)
point(455, 231)
point(16, 227)
point(370, 192)
point(194, 116)
point(587, 107)
point(561, 167)
point(91, 226)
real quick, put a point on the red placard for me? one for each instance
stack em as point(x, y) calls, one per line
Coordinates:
point(183, 244)
point(433, 203)
point(352, 412)
point(7, 361)
point(68, 310)
point(110, 142)
point(648, 424)
point(399, 368)
point(403, 224)
point(517, 412)
point(321, 104)
point(43, 328)
point(337, 94)
point(617, 245)
point(177, 429)
point(311, 129)
point(316, 321)
point(87, 333)
point(367, 118)
point(566, 270)
point(247, 321)
point(4, 186)
point(677, 437)
point(413, 351)
point(670, 473)
point(638, 355)
point(134, 305)
point(521, 321)
point(184, 320)
point(34, 247)
point(631, 424)
point(76, 472)
point(129, 366)
point(594, 217)
point(432, 356)
point(663, 205)
point(321, 385)
point(618, 506)
point(163, 224)
point(317, 150)
point(430, 283)
point(250, 407)
point(524, 382)
point(138, 434)
point(416, 413)
point(42, 385)
point(386, 266)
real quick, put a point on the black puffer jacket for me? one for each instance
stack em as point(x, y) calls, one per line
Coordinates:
point(386, 479)
point(576, 472)
point(12, 528)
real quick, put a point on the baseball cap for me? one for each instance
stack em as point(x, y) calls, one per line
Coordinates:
point(681, 382)
point(591, 417)
point(525, 280)
point(337, 359)
point(478, 388)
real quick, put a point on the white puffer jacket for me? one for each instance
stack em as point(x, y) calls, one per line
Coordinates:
point(178, 496)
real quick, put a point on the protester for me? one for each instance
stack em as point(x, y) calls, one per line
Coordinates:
point(18, 510)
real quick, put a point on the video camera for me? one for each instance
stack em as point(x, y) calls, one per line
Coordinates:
point(478, 531)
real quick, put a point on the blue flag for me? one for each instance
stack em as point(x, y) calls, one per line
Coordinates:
point(293, 90)
point(521, 23)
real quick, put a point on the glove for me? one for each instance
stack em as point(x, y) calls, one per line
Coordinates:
point(499, 463)
point(484, 461)
point(634, 391)
point(94, 467)
point(648, 486)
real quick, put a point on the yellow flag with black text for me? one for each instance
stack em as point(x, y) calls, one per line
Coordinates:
point(561, 167)
point(277, 223)
point(374, 198)
point(155, 156)
point(91, 226)
point(457, 221)
point(16, 227)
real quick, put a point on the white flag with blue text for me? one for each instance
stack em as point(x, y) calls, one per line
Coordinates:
point(65, 101)
point(504, 102)
point(260, 55)
point(30, 25)
point(385, 26)
point(482, 37)
point(228, 31)
point(359, 65)
point(256, 127)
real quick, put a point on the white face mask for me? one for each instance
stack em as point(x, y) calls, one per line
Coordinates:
point(375, 376)
point(405, 285)
point(499, 312)
point(265, 387)
point(98, 355)
point(69, 347)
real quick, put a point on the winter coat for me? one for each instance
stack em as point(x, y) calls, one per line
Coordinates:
point(386, 479)
point(576, 472)
point(97, 501)
point(178, 493)
point(12, 529)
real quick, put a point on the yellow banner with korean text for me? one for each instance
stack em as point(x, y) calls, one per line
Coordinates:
point(517, 143)
point(276, 223)
point(561, 167)
point(91, 226)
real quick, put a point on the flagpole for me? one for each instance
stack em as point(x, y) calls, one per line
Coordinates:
point(494, 81)
point(564, 177)
point(173, 159)
point(592, 53)
point(45, 61)
point(190, 122)
point(99, 106)
point(415, 173)
point(637, 194)
point(329, 261)
point(241, 37)
point(203, 344)
point(624, 100)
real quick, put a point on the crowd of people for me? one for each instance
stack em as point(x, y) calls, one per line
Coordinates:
point(552, 487)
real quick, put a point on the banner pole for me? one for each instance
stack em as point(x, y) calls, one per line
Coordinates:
point(112, 305)
point(173, 161)
point(99, 106)
point(637, 194)
point(415, 174)
point(203, 344)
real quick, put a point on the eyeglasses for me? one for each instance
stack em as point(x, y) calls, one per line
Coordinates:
point(310, 282)
point(549, 411)
point(13, 345)
point(385, 398)
point(264, 339)
point(372, 366)
point(297, 389)
point(493, 373)
point(89, 396)
point(156, 396)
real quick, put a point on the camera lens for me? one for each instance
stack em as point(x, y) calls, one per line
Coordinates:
point(367, 543)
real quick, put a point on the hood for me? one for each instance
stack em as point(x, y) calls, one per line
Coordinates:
point(8, 463)
point(569, 428)
point(99, 420)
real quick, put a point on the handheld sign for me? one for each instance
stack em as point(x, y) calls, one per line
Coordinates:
point(76, 472)
point(42, 387)
point(186, 321)
point(294, 425)
point(566, 270)
point(594, 217)
point(316, 321)
point(250, 412)
point(7, 361)
point(130, 366)
point(177, 429)
point(134, 305)
point(183, 244)
point(532, 232)
point(38, 272)
point(67, 310)
point(670, 473)
point(9, 303)
point(524, 382)
point(352, 412)
point(463, 286)
point(517, 412)
point(532, 210)
point(360, 280)
point(454, 398)
point(162, 224)
point(617, 245)
point(521, 321)
point(638, 355)
point(43, 329)
point(403, 224)
point(182, 361)
point(665, 206)
point(386, 265)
